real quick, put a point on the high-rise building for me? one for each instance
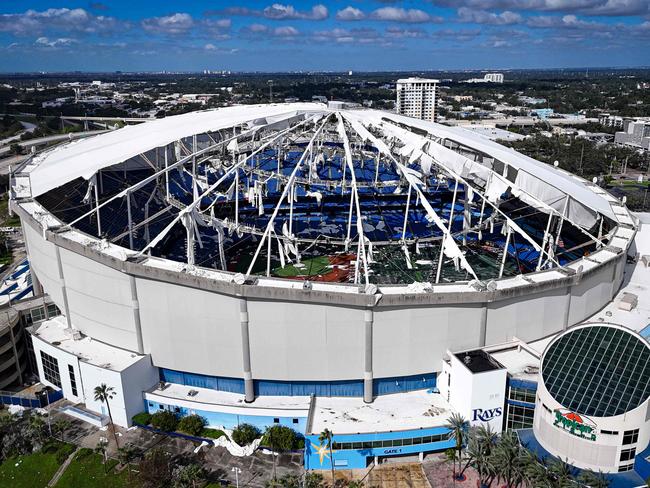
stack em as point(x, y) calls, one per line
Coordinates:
point(494, 77)
point(635, 133)
point(416, 97)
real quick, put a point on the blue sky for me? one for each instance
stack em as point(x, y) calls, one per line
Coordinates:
point(148, 35)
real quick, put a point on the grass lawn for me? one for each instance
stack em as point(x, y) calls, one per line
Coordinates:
point(29, 471)
point(87, 470)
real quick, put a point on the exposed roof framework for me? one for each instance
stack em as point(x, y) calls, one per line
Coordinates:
point(264, 181)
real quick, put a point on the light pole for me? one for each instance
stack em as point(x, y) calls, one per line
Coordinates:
point(237, 472)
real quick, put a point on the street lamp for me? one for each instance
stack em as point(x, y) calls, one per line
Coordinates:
point(237, 472)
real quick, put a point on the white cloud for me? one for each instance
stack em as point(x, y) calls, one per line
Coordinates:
point(586, 7)
point(286, 31)
point(395, 14)
point(60, 42)
point(178, 23)
point(257, 28)
point(398, 32)
point(56, 20)
point(484, 17)
point(347, 36)
point(350, 13)
point(278, 11)
point(566, 21)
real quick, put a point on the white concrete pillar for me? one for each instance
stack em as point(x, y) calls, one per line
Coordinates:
point(367, 373)
point(249, 389)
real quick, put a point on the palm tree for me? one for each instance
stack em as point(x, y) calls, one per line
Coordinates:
point(61, 426)
point(103, 394)
point(594, 480)
point(561, 473)
point(457, 426)
point(533, 471)
point(480, 448)
point(270, 438)
point(508, 460)
point(101, 449)
point(326, 436)
point(126, 455)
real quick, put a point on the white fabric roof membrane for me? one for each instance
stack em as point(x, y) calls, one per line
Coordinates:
point(539, 179)
point(83, 158)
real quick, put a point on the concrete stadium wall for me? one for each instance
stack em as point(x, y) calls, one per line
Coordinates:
point(186, 327)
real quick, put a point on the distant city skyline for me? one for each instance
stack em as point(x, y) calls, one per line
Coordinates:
point(334, 35)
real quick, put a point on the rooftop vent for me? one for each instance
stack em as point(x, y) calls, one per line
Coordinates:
point(192, 393)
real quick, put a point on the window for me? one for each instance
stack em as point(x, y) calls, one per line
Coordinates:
point(295, 421)
point(519, 417)
point(276, 420)
point(522, 395)
point(73, 380)
point(626, 467)
point(53, 310)
point(630, 437)
point(51, 369)
point(37, 314)
point(628, 454)
point(342, 446)
point(609, 432)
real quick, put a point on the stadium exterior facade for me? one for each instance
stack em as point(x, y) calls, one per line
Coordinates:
point(262, 338)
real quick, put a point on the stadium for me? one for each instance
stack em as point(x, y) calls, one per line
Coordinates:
point(243, 255)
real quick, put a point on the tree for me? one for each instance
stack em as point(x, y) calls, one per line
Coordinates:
point(188, 476)
point(37, 427)
point(507, 460)
point(280, 439)
point(481, 442)
point(561, 473)
point(126, 455)
point(101, 448)
point(155, 469)
point(61, 426)
point(104, 394)
point(192, 424)
point(164, 420)
point(244, 434)
point(326, 436)
point(457, 426)
point(594, 480)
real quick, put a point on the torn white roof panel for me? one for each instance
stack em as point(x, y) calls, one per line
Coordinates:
point(83, 158)
point(566, 183)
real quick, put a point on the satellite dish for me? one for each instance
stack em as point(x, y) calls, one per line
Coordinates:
point(371, 289)
point(595, 179)
point(556, 163)
point(640, 179)
point(307, 285)
point(492, 285)
point(239, 279)
point(624, 199)
point(580, 269)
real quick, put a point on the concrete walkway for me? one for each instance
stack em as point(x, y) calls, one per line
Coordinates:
point(62, 468)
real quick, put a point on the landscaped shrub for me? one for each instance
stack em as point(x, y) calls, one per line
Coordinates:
point(164, 420)
point(142, 418)
point(244, 434)
point(192, 424)
point(61, 450)
point(212, 433)
point(282, 439)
